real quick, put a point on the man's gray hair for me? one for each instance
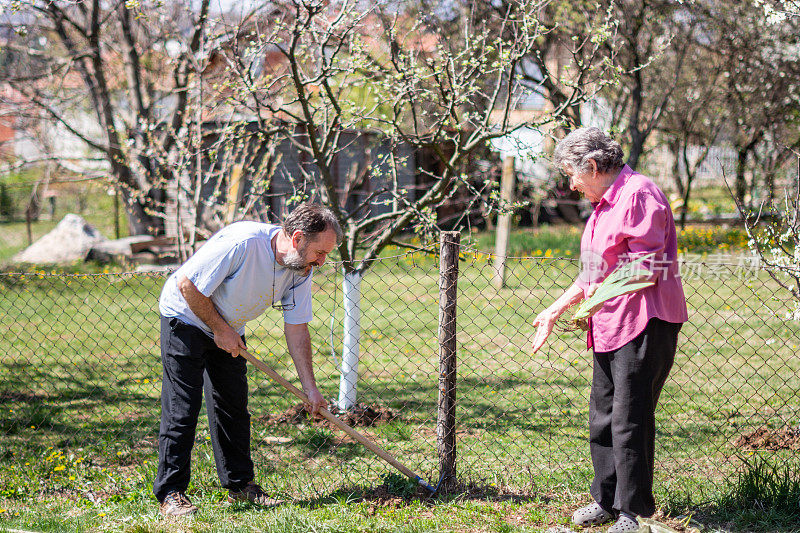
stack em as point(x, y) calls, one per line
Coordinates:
point(312, 219)
point(576, 149)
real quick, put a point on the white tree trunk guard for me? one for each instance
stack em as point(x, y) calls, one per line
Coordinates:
point(348, 380)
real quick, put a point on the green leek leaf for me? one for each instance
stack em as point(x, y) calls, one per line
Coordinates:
point(619, 282)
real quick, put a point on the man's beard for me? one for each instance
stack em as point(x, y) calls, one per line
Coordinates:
point(293, 260)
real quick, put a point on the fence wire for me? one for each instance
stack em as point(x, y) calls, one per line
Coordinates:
point(81, 375)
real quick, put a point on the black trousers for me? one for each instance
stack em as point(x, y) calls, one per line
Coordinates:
point(192, 363)
point(626, 384)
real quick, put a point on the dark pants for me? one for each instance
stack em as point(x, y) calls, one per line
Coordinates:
point(192, 362)
point(626, 384)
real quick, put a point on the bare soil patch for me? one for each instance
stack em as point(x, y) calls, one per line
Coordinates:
point(786, 438)
point(361, 415)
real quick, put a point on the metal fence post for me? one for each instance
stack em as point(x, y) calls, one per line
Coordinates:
point(446, 419)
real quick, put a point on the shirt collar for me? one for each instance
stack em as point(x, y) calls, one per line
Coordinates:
point(610, 196)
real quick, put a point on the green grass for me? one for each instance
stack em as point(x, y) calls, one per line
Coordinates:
point(80, 381)
point(765, 495)
point(338, 513)
point(565, 241)
point(709, 201)
point(555, 241)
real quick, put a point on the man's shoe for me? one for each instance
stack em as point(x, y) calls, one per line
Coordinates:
point(253, 493)
point(177, 504)
point(624, 524)
point(591, 515)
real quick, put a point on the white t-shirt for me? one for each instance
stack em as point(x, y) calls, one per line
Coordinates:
point(235, 269)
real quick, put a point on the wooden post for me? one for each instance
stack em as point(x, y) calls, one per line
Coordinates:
point(234, 193)
point(503, 222)
point(32, 211)
point(446, 420)
point(28, 225)
point(116, 211)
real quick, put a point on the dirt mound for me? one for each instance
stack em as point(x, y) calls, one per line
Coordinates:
point(366, 415)
point(787, 438)
point(360, 415)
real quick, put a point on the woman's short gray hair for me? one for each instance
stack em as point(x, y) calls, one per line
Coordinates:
point(576, 149)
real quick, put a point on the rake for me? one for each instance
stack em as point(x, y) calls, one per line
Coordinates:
point(374, 448)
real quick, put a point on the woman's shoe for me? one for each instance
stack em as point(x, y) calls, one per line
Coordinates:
point(624, 524)
point(591, 515)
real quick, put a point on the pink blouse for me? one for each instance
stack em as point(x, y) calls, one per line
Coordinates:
point(632, 219)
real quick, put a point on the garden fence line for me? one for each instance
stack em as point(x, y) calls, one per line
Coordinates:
point(81, 378)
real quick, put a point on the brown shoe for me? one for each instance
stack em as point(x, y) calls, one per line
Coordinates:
point(177, 504)
point(253, 493)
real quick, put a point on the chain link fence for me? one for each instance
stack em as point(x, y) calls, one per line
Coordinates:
point(80, 382)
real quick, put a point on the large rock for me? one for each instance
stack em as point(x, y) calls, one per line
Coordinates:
point(70, 241)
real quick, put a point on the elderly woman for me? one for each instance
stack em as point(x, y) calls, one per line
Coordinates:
point(634, 336)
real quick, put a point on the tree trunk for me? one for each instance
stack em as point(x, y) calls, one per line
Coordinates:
point(740, 185)
point(139, 207)
point(691, 171)
point(504, 222)
point(637, 146)
point(637, 136)
point(676, 167)
point(686, 196)
point(769, 183)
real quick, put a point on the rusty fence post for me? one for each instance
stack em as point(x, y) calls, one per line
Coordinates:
point(446, 419)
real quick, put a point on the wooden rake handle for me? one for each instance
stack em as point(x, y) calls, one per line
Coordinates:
point(377, 450)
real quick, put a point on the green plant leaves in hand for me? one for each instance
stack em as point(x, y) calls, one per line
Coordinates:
point(616, 284)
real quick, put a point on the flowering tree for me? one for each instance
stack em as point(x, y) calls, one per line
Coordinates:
point(775, 238)
point(413, 79)
point(441, 84)
point(115, 76)
point(774, 227)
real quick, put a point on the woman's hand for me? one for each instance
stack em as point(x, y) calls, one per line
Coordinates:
point(589, 293)
point(544, 323)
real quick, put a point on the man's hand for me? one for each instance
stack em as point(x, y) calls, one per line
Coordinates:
point(544, 323)
point(298, 341)
point(315, 402)
point(227, 339)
